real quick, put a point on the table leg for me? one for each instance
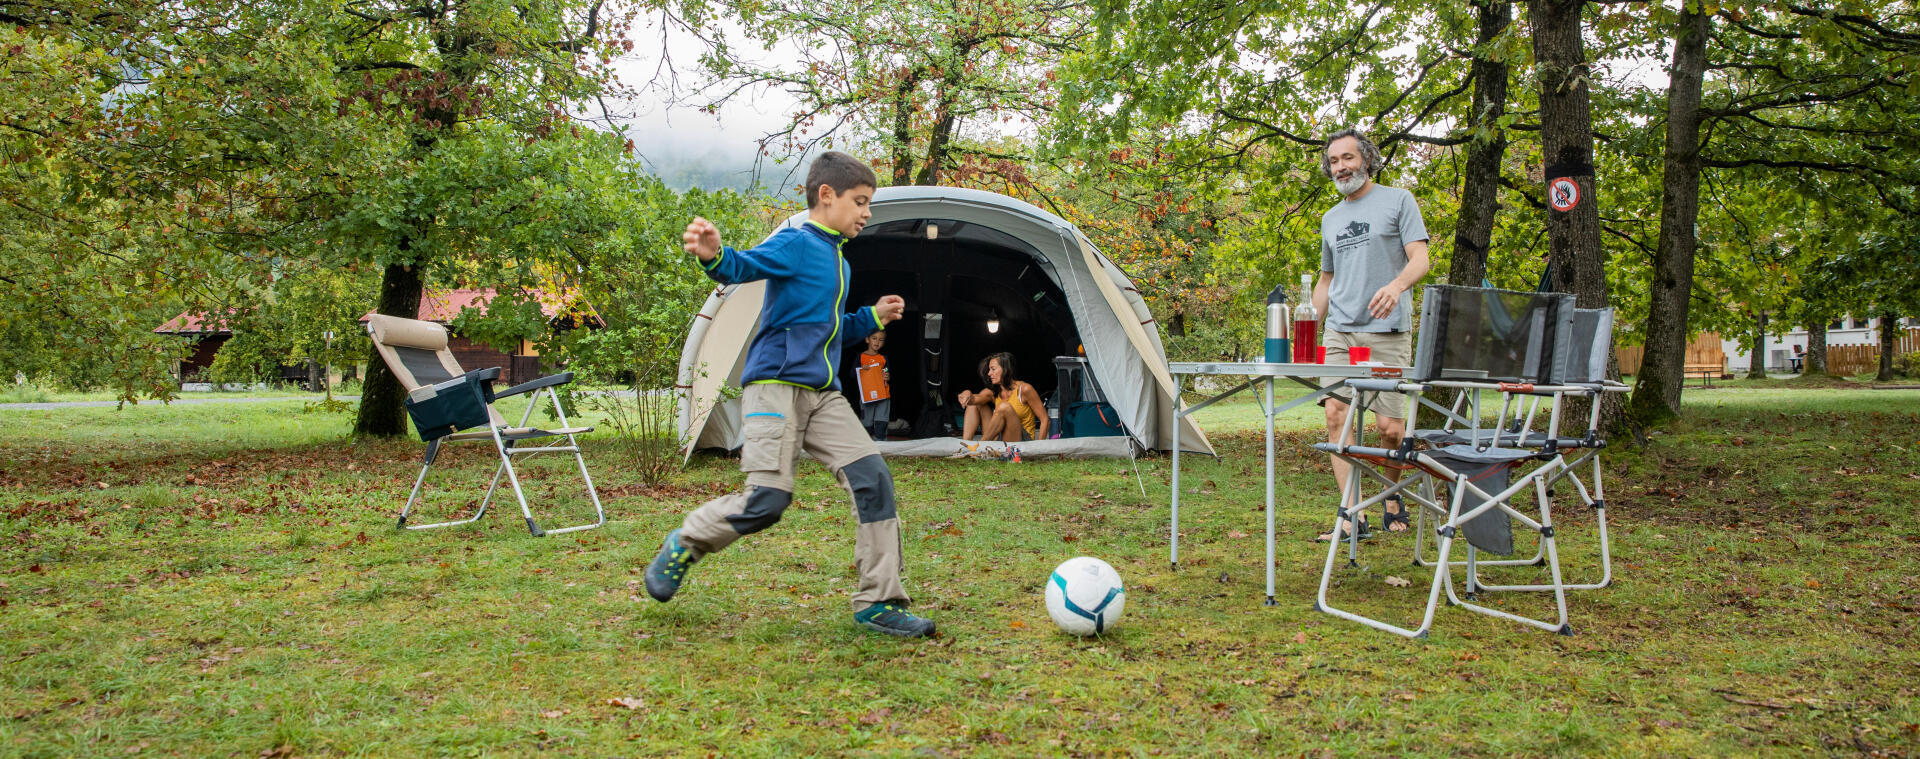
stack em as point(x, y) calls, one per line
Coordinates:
point(1173, 538)
point(1269, 409)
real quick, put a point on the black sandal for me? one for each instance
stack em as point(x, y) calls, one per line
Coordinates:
point(1389, 518)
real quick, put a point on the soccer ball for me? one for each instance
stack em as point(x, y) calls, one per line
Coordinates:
point(1085, 596)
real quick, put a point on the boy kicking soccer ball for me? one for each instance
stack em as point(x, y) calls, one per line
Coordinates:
point(792, 399)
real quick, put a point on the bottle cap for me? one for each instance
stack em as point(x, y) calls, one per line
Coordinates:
point(1279, 295)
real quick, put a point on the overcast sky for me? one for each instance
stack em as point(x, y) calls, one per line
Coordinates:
point(672, 138)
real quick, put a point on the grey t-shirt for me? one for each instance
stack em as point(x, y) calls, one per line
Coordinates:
point(1364, 243)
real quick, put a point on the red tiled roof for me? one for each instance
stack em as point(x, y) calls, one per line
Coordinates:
point(445, 305)
point(441, 306)
point(191, 323)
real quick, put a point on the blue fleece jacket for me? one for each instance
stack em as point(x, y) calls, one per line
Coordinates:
point(802, 325)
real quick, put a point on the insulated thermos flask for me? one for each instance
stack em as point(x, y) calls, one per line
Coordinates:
point(1278, 349)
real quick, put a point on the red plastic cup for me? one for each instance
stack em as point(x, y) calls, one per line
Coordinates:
point(1319, 354)
point(1358, 354)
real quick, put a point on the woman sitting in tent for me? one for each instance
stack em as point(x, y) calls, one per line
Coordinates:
point(1008, 409)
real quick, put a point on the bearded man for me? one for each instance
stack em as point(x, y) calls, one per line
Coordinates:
point(1373, 250)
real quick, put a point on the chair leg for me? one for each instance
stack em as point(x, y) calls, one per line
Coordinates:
point(599, 513)
point(433, 450)
point(1599, 505)
point(1440, 576)
point(492, 486)
point(433, 446)
point(573, 445)
point(1545, 528)
point(513, 478)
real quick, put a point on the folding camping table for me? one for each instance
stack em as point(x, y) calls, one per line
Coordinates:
point(1260, 376)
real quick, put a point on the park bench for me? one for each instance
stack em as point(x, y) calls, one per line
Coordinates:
point(1706, 360)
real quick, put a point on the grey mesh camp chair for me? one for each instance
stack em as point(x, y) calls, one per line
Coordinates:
point(447, 403)
point(1583, 376)
point(1518, 347)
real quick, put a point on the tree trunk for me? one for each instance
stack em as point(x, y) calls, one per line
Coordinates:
point(1656, 394)
point(940, 139)
point(1816, 347)
point(1479, 187)
point(1757, 364)
point(1889, 326)
point(903, 134)
point(1577, 260)
point(382, 413)
point(1480, 183)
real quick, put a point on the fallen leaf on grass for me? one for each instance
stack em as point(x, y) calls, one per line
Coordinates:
point(554, 713)
point(1300, 637)
point(1236, 534)
point(874, 717)
point(626, 701)
point(1018, 625)
point(1398, 582)
point(993, 487)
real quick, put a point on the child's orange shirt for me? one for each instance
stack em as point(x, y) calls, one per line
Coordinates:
point(873, 378)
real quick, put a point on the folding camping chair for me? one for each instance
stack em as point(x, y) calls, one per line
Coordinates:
point(443, 400)
point(1480, 342)
point(1586, 370)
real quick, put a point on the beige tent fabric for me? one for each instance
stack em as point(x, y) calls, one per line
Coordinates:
point(731, 315)
point(1143, 345)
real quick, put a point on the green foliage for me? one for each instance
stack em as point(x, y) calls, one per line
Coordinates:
point(646, 290)
point(1907, 365)
point(266, 161)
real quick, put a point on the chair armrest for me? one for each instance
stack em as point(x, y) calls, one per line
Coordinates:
point(527, 387)
point(1376, 385)
point(485, 376)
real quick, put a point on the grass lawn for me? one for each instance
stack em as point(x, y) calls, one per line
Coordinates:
point(224, 580)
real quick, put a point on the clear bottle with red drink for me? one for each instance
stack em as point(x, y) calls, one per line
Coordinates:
point(1306, 325)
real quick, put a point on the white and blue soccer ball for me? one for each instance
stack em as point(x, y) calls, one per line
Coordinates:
point(1085, 596)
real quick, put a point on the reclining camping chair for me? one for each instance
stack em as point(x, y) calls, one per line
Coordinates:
point(1472, 340)
point(443, 400)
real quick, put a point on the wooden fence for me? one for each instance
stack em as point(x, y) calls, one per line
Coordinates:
point(1704, 350)
point(1843, 360)
point(1847, 360)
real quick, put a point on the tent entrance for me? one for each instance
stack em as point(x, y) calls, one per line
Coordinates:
point(955, 280)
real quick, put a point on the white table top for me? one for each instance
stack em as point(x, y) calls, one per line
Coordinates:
point(1264, 369)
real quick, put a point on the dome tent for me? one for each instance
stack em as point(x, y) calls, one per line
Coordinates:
point(962, 258)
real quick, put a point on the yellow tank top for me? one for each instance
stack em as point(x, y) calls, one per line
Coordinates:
point(1020, 408)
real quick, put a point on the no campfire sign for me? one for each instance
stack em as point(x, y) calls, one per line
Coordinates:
point(1563, 194)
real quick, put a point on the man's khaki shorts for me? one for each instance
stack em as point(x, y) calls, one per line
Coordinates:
point(1388, 348)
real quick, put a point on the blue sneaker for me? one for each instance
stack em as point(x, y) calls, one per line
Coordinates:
point(893, 619)
point(669, 568)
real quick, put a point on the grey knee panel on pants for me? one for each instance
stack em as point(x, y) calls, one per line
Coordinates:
point(872, 485)
point(764, 506)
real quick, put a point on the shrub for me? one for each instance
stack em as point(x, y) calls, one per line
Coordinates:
point(1907, 365)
